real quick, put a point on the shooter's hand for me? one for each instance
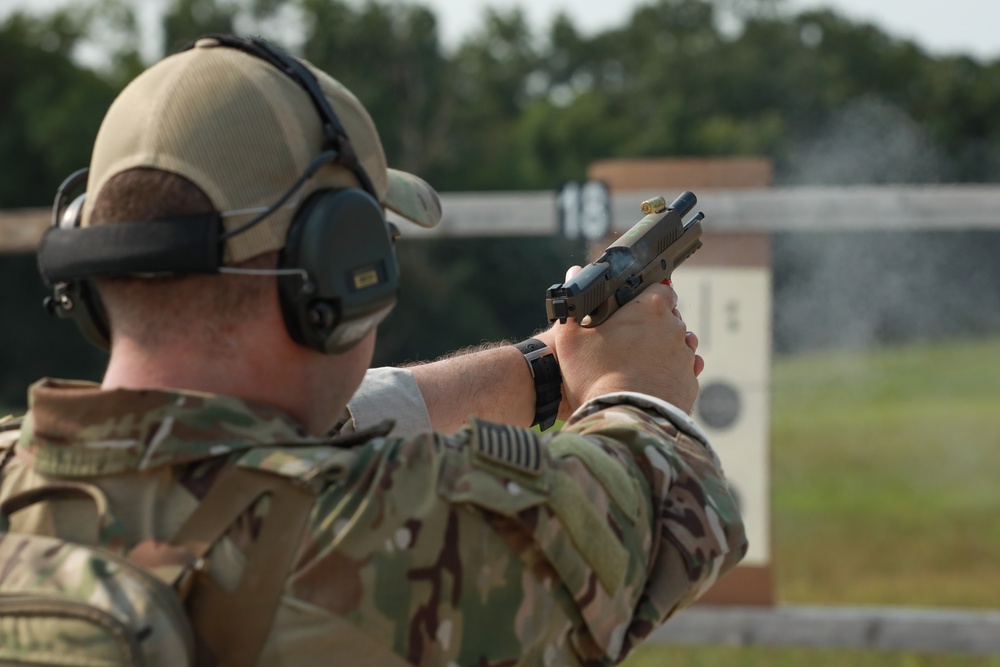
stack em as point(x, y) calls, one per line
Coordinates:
point(643, 347)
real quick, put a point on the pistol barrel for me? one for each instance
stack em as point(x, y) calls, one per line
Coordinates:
point(684, 203)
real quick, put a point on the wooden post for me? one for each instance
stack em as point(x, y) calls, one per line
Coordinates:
point(725, 297)
point(20, 229)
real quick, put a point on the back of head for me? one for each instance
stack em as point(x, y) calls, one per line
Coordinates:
point(241, 131)
point(157, 312)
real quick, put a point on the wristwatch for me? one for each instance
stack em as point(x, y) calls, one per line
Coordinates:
point(548, 380)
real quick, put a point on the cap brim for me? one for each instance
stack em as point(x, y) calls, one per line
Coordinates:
point(413, 198)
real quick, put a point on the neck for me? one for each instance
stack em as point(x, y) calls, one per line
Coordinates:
point(272, 373)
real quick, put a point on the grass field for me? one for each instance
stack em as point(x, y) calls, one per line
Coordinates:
point(885, 490)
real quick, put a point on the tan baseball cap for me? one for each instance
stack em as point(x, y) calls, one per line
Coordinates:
point(243, 131)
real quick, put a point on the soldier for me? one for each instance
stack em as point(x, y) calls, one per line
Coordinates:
point(232, 251)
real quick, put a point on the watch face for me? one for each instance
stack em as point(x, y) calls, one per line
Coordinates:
point(533, 348)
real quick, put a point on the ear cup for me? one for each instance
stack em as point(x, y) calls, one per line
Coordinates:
point(78, 300)
point(347, 275)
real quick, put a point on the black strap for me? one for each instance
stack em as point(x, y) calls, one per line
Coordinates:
point(548, 381)
point(166, 246)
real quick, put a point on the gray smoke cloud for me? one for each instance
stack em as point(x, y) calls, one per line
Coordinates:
point(867, 141)
point(857, 289)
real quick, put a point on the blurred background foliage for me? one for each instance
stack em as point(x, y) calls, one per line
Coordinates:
point(510, 109)
point(829, 100)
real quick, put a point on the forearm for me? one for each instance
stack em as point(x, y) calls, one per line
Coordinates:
point(492, 383)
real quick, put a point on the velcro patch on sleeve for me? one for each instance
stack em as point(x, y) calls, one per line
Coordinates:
point(515, 448)
point(593, 538)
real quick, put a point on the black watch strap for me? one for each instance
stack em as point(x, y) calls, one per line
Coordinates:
point(548, 380)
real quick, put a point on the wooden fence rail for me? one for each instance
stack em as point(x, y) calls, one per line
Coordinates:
point(864, 628)
point(940, 207)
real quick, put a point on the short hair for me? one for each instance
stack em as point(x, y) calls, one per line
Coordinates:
point(199, 308)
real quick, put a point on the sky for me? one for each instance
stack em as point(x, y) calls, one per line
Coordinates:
point(970, 27)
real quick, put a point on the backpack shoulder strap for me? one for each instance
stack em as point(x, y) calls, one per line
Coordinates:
point(236, 624)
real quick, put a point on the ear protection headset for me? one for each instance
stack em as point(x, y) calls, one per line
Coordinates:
point(338, 275)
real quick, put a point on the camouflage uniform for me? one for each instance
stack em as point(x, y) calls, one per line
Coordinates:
point(494, 546)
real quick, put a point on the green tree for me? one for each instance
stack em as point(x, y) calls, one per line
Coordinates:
point(390, 56)
point(489, 88)
point(185, 20)
point(51, 108)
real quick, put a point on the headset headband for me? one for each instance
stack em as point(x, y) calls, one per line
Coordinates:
point(333, 129)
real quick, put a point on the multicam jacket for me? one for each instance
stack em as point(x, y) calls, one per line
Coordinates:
point(493, 546)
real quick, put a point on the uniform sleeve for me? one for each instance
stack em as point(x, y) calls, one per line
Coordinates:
point(388, 392)
point(498, 546)
point(697, 532)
